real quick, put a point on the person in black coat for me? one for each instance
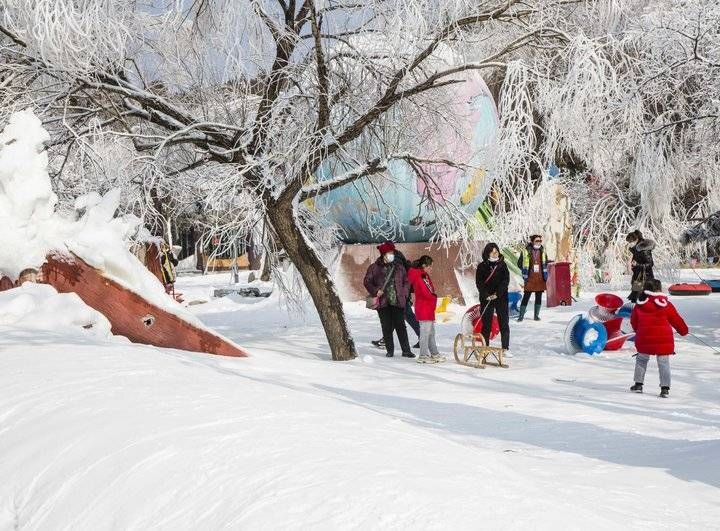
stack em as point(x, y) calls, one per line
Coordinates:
point(492, 279)
point(642, 262)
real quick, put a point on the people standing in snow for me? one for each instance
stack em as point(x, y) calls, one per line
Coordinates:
point(533, 263)
point(653, 319)
point(492, 279)
point(410, 317)
point(425, 304)
point(641, 264)
point(386, 278)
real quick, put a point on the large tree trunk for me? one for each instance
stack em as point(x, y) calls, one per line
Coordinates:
point(317, 280)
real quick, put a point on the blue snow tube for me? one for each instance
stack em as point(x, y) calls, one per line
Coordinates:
point(625, 311)
point(590, 336)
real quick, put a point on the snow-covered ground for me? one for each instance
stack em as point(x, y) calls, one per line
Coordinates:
point(96, 433)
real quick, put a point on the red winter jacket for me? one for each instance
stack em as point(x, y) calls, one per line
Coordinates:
point(653, 320)
point(425, 298)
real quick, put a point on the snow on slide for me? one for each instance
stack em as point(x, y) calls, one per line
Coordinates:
point(34, 230)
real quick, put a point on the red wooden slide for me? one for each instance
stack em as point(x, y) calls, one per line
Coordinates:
point(130, 314)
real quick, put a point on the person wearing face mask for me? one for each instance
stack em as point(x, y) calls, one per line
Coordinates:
point(641, 264)
point(410, 317)
point(534, 266)
point(492, 279)
point(387, 278)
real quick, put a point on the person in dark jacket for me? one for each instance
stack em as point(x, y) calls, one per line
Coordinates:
point(387, 278)
point(492, 279)
point(533, 263)
point(410, 317)
point(642, 263)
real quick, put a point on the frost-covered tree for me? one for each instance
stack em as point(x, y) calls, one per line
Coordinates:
point(632, 114)
point(261, 93)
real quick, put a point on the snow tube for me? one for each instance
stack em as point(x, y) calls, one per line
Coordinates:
point(591, 336)
point(690, 289)
point(613, 326)
point(608, 301)
point(572, 345)
point(625, 311)
point(617, 340)
point(714, 285)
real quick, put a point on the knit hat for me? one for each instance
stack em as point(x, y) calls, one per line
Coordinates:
point(386, 247)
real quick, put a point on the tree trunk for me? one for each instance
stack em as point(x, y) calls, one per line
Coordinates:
point(317, 280)
point(255, 255)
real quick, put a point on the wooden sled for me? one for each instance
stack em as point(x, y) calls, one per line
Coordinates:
point(470, 350)
point(130, 314)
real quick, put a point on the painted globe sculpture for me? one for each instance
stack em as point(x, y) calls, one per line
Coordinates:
point(401, 206)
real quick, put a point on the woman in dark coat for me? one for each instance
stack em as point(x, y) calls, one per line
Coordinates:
point(387, 278)
point(492, 279)
point(642, 262)
point(533, 263)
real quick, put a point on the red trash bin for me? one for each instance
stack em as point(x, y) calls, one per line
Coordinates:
point(559, 286)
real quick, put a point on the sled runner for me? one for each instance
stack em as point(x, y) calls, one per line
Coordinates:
point(469, 347)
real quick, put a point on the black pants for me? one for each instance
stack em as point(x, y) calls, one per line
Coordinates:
point(499, 306)
point(392, 319)
point(526, 298)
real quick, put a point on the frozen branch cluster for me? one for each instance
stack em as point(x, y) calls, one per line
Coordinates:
point(630, 110)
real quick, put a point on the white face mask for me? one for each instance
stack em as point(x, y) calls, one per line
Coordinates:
point(494, 258)
point(632, 244)
point(537, 246)
point(389, 257)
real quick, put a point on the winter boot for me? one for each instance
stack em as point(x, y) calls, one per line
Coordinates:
point(664, 392)
point(408, 355)
point(424, 358)
point(380, 343)
point(537, 311)
point(521, 313)
point(637, 388)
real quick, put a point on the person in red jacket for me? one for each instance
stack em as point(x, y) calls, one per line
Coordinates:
point(425, 304)
point(653, 320)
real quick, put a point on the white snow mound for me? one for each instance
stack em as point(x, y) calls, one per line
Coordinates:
point(34, 229)
point(39, 306)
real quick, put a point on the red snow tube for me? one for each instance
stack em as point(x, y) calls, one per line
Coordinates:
point(608, 301)
point(690, 289)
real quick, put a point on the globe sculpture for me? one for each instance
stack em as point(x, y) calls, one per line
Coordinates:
point(402, 207)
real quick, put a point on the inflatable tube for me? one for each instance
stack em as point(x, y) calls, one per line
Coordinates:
point(608, 301)
point(689, 289)
point(714, 285)
point(591, 336)
point(625, 311)
point(572, 345)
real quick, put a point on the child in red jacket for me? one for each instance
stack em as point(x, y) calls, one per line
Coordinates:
point(425, 303)
point(653, 320)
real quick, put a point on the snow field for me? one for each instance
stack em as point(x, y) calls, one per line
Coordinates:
point(98, 434)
